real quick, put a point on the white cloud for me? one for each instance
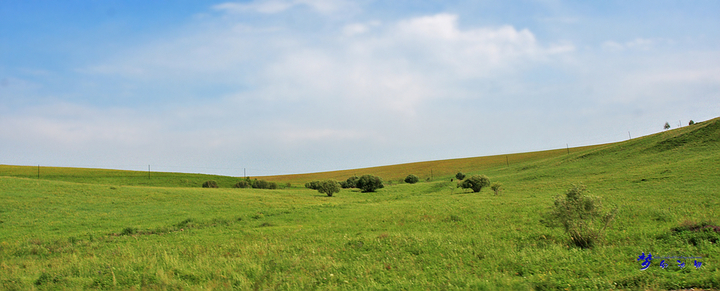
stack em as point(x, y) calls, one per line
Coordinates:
point(612, 46)
point(359, 28)
point(293, 83)
point(386, 75)
point(641, 44)
point(475, 52)
point(70, 125)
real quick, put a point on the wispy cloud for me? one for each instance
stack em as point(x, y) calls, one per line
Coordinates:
point(296, 86)
point(641, 44)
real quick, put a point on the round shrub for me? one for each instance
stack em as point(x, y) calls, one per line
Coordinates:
point(329, 187)
point(459, 176)
point(476, 183)
point(369, 183)
point(411, 179)
point(210, 184)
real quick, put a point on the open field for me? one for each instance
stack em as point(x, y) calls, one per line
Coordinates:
point(104, 229)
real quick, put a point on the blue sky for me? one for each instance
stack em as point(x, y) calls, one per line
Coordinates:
point(292, 86)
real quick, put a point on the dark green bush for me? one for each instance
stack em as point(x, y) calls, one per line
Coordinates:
point(243, 184)
point(369, 183)
point(210, 184)
point(262, 184)
point(329, 187)
point(476, 183)
point(313, 185)
point(459, 176)
point(411, 179)
point(350, 182)
point(582, 216)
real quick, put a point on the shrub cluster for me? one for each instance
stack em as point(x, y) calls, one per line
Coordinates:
point(476, 183)
point(411, 179)
point(366, 183)
point(459, 176)
point(313, 185)
point(256, 184)
point(369, 183)
point(262, 184)
point(350, 182)
point(243, 184)
point(209, 184)
point(582, 216)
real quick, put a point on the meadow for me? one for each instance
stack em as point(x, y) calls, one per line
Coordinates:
point(123, 230)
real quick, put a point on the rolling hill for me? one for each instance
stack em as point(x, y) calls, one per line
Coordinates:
point(107, 229)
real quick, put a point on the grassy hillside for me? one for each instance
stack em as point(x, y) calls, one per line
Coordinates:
point(77, 231)
point(114, 177)
point(438, 169)
point(430, 169)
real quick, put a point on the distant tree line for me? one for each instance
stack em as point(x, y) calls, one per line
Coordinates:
point(366, 183)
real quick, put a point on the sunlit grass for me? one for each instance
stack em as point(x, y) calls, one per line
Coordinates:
point(111, 232)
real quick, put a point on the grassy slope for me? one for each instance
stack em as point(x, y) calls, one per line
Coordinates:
point(440, 169)
point(428, 235)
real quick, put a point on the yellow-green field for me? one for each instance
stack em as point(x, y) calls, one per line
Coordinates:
point(107, 229)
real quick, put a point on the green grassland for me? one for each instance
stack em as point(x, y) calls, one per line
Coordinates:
point(106, 229)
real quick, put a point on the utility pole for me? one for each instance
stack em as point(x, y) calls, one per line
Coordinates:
point(629, 137)
point(148, 171)
point(568, 148)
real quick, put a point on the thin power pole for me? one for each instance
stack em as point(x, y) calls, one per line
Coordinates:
point(629, 137)
point(568, 148)
point(148, 171)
